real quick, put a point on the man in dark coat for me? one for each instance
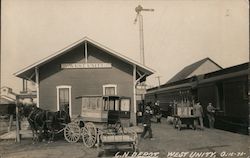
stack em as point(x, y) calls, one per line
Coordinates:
point(147, 122)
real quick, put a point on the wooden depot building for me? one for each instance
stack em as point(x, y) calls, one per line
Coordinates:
point(84, 68)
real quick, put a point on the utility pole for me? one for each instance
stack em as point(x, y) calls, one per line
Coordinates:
point(138, 10)
point(159, 81)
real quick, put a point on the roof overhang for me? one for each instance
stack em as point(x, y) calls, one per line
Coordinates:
point(181, 86)
point(28, 72)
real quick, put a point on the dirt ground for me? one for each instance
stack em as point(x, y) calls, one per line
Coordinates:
point(185, 143)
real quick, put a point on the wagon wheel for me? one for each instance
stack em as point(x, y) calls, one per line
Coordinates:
point(89, 134)
point(72, 132)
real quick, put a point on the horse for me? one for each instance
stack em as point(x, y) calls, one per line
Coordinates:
point(55, 122)
point(36, 118)
point(44, 122)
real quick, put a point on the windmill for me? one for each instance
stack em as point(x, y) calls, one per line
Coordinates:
point(139, 16)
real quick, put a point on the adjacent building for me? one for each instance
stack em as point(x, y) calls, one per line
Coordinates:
point(7, 101)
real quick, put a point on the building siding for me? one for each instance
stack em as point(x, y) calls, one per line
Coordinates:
point(83, 81)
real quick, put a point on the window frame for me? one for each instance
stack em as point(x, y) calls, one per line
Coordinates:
point(58, 99)
point(109, 86)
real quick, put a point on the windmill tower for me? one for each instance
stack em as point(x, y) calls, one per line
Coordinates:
point(139, 17)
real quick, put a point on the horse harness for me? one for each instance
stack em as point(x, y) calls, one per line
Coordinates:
point(36, 112)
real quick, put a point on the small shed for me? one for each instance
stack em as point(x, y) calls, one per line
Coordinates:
point(7, 101)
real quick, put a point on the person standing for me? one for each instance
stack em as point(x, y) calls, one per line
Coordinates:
point(210, 115)
point(198, 112)
point(157, 111)
point(158, 116)
point(147, 122)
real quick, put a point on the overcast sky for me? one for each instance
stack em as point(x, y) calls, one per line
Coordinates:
point(176, 34)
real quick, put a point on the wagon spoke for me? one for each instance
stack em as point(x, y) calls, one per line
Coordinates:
point(89, 134)
point(72, 132)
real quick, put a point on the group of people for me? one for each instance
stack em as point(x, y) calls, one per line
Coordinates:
point(197, 111)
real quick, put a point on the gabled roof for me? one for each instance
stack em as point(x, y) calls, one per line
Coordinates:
point(225, 73)
point(23, 73)
point(186, 71)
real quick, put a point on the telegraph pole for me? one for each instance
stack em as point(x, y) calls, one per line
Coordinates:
point(138, 10)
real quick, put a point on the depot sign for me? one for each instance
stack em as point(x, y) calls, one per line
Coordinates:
point(86, 65)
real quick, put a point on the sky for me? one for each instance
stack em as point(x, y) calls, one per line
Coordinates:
point(176, 34)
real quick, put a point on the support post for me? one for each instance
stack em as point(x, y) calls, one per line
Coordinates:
point(141, 38)
point(23, 85)
point(134, 95)
point(37, 86)
point(10, 123)
point(17, 122)
point(86, 52)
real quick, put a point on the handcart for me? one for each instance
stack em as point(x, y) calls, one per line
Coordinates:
point(181, 120)
point(183, 115)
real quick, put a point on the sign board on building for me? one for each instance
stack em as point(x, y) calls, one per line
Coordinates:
point(86, 65)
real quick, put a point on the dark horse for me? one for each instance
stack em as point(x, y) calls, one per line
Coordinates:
point(43, 122)
point(55, 122)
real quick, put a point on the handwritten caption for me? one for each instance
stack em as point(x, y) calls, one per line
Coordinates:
point(137, 155)
point(222, 154)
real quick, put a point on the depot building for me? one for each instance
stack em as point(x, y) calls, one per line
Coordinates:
point(86, 67)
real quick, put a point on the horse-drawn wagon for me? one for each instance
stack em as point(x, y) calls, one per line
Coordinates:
point(104, 121)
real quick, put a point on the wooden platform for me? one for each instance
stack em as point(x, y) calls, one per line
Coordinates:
point(12, 134)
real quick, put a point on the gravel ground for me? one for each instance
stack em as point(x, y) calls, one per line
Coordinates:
point(166, 140)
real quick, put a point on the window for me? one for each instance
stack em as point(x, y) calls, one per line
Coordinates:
point(91, 103)
point(64, 98)
point(114, 105)
point(111, 104)
point(110, 89)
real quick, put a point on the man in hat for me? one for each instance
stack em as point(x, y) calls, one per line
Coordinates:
point(210, 115)
point(198, 112)
point(147, 122)
point(157, 111)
